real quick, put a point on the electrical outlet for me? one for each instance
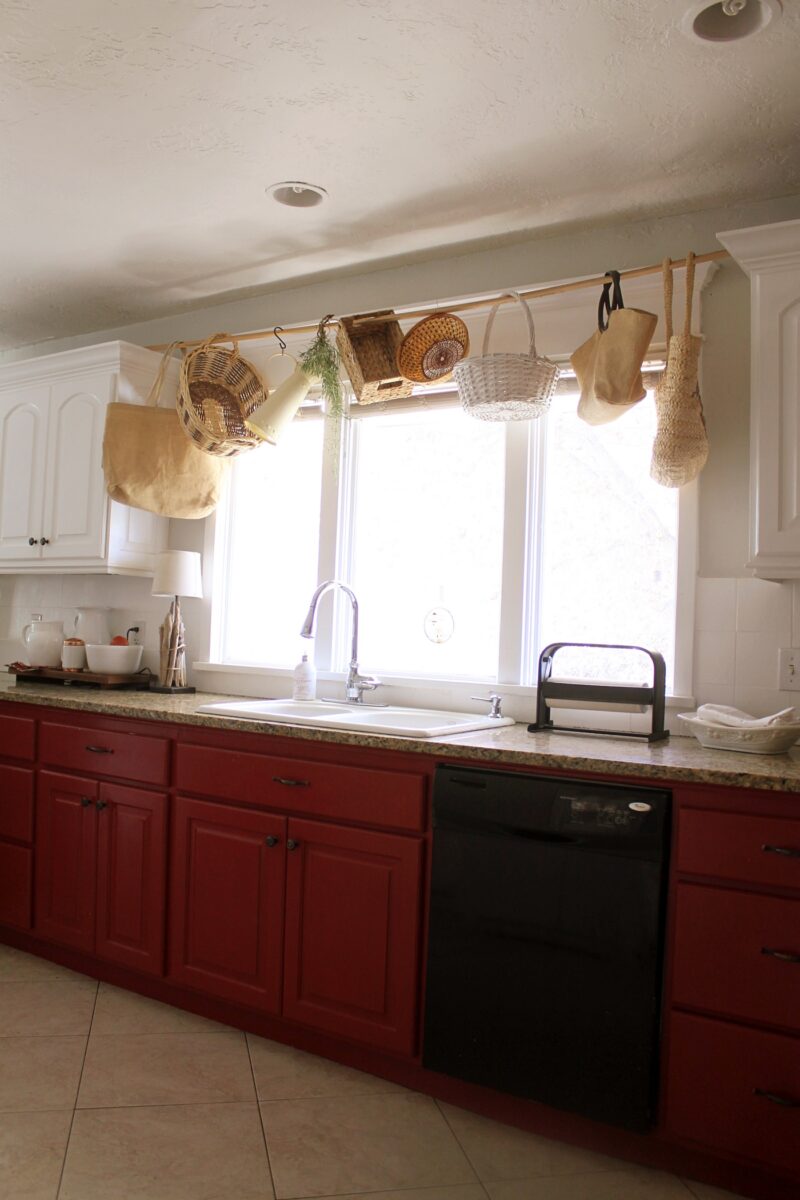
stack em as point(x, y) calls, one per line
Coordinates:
point(789, 669)
point(137, 632)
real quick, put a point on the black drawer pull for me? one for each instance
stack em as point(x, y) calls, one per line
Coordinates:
point(783, 955)
point(101, 804)
point(774, 1098)
point(291, 782)
point(272, 840)
point(85, 802)
point(292, 844)
point(785, 851)
point(99, 750)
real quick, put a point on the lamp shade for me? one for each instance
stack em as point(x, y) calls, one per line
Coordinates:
point(178, 573)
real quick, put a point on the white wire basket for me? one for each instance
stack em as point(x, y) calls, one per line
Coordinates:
point(507, 387)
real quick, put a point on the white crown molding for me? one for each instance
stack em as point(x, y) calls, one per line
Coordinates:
point(107, 355)
point(764, 247)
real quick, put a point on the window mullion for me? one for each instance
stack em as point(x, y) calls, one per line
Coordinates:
point(513, 600)
point(334, 468)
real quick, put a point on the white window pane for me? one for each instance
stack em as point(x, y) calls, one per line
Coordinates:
point(274, 546)
point(609, 565)
point(428, 535)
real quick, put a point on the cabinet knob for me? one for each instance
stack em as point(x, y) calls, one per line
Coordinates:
point(101, 804)
point(85, 802)
point(784, 851)
point(31, 541)
point(777, 1098)
point(99, 750)
point(783, 955)
point(44, 541)
point(292, 844)
point(272, 840)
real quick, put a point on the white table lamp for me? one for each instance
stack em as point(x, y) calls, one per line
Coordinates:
point(178, 573)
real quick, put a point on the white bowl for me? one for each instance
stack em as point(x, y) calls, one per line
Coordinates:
point(114, 660)
point(766, 739)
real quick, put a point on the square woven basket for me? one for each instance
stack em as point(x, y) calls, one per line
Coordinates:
point(369, 353)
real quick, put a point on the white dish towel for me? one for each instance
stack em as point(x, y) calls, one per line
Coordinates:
point(723, 714)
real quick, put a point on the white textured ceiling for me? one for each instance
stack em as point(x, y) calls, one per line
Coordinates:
point(137, 137)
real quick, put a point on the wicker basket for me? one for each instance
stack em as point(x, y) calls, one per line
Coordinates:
point(369, 353)
point(507, 387)
point(432, 348)
point(218, 391)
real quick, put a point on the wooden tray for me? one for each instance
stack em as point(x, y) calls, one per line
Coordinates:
point(140, 680)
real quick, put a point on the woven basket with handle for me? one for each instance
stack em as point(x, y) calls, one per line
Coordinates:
point(507, 387)
point(218, 391)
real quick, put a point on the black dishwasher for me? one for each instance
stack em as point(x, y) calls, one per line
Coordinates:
point(546, 939)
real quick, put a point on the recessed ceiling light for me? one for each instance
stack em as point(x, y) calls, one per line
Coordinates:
point(730, 20)
point(295, 194)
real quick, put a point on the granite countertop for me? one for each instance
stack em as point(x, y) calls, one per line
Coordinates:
point(678, 759)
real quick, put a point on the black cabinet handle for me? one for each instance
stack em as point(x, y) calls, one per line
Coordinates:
point(44, 541)
point(272, 840)
point(785, 851)
point(85, 802)
point(783, 955)
point(101, 804)
point(99, 750)
point(292, 844)
point(775, 1098)
point(290, 782)
point(31, 541)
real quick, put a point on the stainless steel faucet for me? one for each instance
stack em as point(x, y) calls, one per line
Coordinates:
point(356, 684)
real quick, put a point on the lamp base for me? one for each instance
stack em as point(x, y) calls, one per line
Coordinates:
point(159, 687)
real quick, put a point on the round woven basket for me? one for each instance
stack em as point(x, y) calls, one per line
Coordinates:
point(218, 391)
point(507, 387)
point(433, 347)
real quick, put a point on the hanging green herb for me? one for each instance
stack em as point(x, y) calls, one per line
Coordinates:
point(321, 360)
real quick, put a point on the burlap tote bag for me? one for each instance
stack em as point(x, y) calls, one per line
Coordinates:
point(680, 448)
point(609, 365)
point(149, 462)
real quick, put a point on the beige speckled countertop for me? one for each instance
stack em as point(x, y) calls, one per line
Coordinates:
point(679, 759)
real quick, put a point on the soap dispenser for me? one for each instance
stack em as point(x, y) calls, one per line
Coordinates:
point(304, 686)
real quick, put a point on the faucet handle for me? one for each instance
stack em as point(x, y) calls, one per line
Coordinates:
point(495, 700)
point(367, 683)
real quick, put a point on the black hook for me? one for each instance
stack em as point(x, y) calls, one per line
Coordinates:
point(278, 330)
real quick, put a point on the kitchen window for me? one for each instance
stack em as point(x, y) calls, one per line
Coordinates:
point(469, 544)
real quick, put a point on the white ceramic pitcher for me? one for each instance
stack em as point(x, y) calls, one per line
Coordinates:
point(91, 626)
point(43, 641)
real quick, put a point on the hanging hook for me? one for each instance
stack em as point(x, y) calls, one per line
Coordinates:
point(277, 331)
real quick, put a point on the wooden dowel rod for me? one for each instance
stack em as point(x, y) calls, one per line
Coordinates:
point(417, 314)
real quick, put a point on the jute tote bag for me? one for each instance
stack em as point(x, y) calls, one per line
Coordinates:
point(609, 364)
point(149, 462)
point(680, 448)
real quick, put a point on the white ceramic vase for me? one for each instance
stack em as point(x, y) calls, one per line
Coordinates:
point(43, 641)
point(91, 626)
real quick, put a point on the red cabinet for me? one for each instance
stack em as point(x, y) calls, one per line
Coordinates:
point(16, 826)
point(100, 869)
point(352, 933)
point(226, 901)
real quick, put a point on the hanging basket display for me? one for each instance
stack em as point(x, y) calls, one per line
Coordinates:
point(369, 353)
point(432, 348)
point(507, 387)
point(218, 391)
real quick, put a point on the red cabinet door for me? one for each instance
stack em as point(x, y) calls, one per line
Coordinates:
point(226, 901)
point(352, 933)
point(66, 850)
point(131, 877)
point(16, 876)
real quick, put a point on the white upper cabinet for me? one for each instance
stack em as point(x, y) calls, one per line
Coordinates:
point(770, 254)
point(55, 514)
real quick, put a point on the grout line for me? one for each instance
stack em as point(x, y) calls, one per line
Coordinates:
point(77, 1093)
point(260, 1118)
point(461, 1147)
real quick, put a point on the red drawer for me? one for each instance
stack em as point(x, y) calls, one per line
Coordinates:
point(16, 803)
point(762, 850)
point(16, 878)
point(717, 1076)
point(17, 737)
point(383, 799)
point(720, 964)
point(129, 756)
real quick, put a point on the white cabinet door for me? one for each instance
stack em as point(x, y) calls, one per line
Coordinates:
point(75, 503)
point(23, 438)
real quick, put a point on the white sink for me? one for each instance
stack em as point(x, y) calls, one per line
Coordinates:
point(402, 722)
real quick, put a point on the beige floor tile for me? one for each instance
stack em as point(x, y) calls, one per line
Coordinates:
point(704, 1191)
point(283, 1073)
point(32, 1146)
point(192, 1152)
point(51, 1008)
point(16, 966)
point(121, 1012)
point(337, 1145)
point(501, 1152)
point(39, 1072)
point(636, 1184)
point(458, 1191)
point(164, 1068)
